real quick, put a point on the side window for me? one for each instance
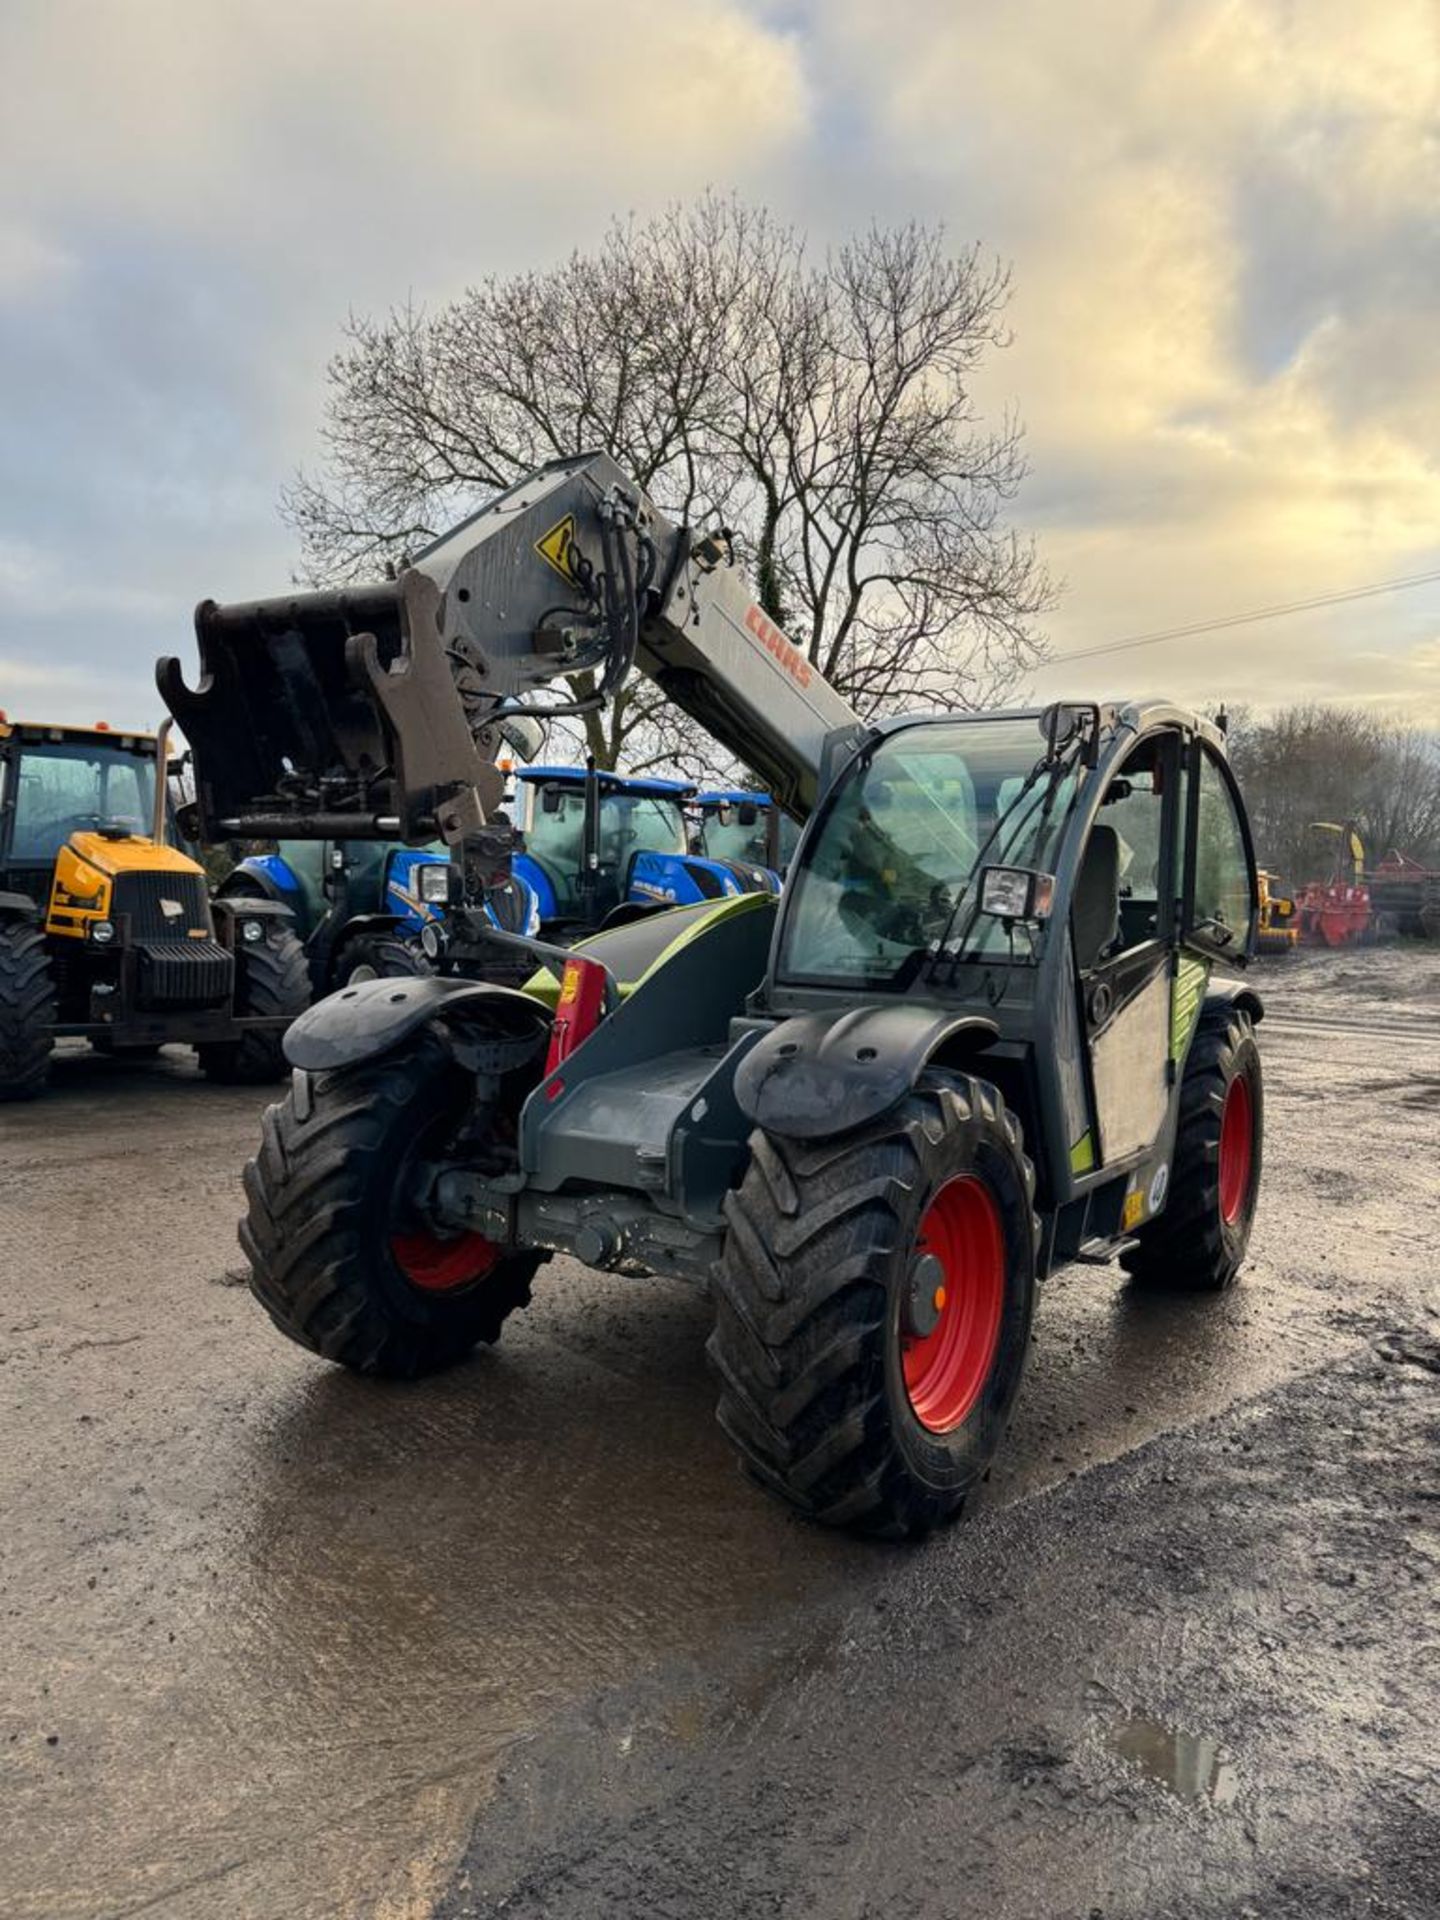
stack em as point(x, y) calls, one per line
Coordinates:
point(1219, 917)
point(1136, 809)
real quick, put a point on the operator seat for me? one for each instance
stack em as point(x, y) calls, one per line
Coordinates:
point(1095, 914)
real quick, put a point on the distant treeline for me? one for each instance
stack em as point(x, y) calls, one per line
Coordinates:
point(1316, 762)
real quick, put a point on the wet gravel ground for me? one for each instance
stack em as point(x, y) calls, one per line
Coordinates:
point(281, 1642)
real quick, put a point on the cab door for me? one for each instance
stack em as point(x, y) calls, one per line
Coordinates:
point(1221, 902)
point(1124, 932)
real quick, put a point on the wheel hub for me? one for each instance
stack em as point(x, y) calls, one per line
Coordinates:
point(925, 1297)
point(443, 1266)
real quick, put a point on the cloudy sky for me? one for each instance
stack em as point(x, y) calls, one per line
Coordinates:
point(1224, 219)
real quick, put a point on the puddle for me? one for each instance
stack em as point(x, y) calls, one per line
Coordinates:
point(1188, 1765)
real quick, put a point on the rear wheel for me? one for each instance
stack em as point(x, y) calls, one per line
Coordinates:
point(27, 1010)
point(1198, 1243)
point(341, 1257)
point(873, 1308)
point(272, 978)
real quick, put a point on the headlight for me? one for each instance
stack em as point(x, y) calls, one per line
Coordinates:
point(102, 932)
point(252, 931)
point(435, 883)
point(1015, 893)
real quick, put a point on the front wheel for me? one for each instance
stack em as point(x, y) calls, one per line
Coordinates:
point(374, 956)
point(272, 977)
point(1197, 1244)
point(27, 1010)
point(341, 1258)
point(873, 1309)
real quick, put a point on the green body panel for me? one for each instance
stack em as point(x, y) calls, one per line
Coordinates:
point(1082, 1154)
point(1192, 976)
point(635, 951)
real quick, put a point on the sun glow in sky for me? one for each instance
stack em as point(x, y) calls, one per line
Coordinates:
point(1221, 215)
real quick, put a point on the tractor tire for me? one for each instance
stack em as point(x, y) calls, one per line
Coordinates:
point(273, 977)
point(1197, 1244)
point(873, 1307)
point(27, 1010)
point(376, 956)
point(335, 1259)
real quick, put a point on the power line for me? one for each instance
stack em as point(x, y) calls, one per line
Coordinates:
point(1247, 619)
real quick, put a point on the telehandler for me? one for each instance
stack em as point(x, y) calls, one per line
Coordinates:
point(978, 1036)
point(108, 932)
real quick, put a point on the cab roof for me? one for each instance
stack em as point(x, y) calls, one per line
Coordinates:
point(732, 797)
point(101, 733)
point(609, 782)
point(1133, 715)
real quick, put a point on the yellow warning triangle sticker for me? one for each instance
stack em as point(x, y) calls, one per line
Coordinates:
point(555, 545)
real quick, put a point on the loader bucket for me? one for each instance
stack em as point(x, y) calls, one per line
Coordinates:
point(326, 715)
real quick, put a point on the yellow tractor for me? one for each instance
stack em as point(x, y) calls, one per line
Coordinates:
point(108, 932)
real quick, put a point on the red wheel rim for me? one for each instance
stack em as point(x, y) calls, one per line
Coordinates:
point(1237, 1149)
point(946, 1369)
point(442, 1266)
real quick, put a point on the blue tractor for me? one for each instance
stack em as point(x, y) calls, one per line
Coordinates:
point(602, 848)
point(736, 824)
point(360, 906)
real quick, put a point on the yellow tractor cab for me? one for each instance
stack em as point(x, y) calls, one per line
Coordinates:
point(107, 928)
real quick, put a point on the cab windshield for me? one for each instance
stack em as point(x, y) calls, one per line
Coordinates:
point(891, 868)
point(725, 836)
point(73, 786)
point(628, 824)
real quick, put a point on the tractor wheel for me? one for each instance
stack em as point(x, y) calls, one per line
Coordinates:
point(1198, 1243)
point(339, 1258)
point(272, 977)
point(375, 956)
point(27, 1010)
point(873, 1306)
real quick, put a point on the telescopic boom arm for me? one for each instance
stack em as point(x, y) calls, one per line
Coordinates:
point(377, 711)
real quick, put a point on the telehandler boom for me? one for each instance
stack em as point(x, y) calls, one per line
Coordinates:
point(978, 1036)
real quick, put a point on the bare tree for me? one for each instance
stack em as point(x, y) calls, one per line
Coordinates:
point(1312, 763)
point(820, 407)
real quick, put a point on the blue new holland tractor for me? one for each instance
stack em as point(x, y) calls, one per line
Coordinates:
point(360, 906)
point(602, 848)
point(734, 823)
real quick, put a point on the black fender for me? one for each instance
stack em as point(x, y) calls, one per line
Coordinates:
point(248, 906)
point(247, 883)
point(372, 1017)
point(820, 1074)
point(1235, 993)
point(18, 906)
point(363, 923)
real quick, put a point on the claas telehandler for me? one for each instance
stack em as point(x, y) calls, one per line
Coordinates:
point(979, 1035)
point(107, 930)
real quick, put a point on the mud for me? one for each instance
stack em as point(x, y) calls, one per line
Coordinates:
point(275, 1639)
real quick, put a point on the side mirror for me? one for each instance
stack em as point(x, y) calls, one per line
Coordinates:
point(523, 732)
